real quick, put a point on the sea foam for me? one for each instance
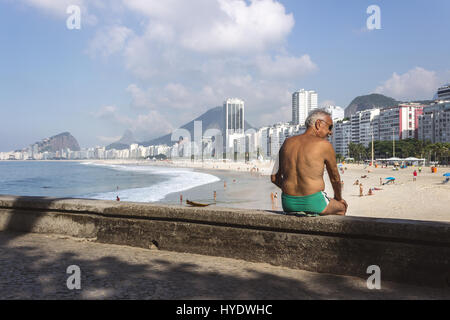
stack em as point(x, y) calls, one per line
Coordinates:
point(177, 180)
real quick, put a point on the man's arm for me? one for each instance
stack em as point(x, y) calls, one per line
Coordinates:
point(333, 172)
point(276, 176)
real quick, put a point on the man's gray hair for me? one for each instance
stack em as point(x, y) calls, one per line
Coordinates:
point(315, 115)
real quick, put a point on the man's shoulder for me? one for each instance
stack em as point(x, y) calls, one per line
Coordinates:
point(302, 139)
point(324, 143)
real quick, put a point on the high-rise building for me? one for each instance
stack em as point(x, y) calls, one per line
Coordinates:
point(233, 112)
point(354, 132)
point(368, 126)
point(337, 113)
point(303, 102)
point(363, 125)
point(443, 92)
point(233, 120)
point(342, 136)
point(400, 122)
point(434, 123)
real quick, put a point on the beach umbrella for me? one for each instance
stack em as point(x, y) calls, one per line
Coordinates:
point(390, 178)
point(447, 174)
point(340, 165)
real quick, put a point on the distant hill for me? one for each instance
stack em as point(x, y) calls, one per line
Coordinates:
point(211, 119)
point(369, 102)
point(124, 142)
point(59, 142)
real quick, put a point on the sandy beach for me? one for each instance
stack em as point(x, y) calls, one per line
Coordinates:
point(426, 199)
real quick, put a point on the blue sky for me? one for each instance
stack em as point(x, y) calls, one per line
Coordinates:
point(150, 65)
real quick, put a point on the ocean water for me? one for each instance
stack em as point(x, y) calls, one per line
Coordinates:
point(97, 181)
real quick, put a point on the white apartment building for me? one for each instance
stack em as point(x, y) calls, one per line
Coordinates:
point(368, 126)
point(272, 138)
point(342, 136)
point(303, 102)
point(434, 123)
point(363, 124)
point(443, 92)
point(337, 113)
point(233, 121)
point(400, 122)
point(354, 124)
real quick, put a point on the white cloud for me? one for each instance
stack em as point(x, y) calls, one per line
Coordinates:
point(108, 140)
point(282, 114)
point(285, 66)
point(221, 26)
point(241, 27)
point(58, 8)
point(108, 41)
point(106, 112)
point(416, 84)
point(327, 103)
point(139, 97)
point(188, 56)
point(150, 124)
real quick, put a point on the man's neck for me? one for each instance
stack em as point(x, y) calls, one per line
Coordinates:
point(311, 132)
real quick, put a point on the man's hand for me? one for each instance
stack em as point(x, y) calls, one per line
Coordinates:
point(345, 203)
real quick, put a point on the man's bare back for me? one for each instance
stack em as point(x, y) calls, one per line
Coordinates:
point(302, 160)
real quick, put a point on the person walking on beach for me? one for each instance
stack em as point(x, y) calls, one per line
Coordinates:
point(414, 175)
point(299, 169)
point(361, 190)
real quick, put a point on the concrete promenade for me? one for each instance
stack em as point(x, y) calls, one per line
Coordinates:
point(33, 266)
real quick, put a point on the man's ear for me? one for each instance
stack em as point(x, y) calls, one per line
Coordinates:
point(316, 124)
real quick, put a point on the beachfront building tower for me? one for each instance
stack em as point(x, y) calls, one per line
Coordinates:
point(363, 124)
point(443, 92)
point(400, 122)
point(342, 136)
point(233, 122)
point(337, 113)
point(368, 126)
point(434, 123)
point(303, 102)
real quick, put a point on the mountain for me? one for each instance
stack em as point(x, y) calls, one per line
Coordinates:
point(369, 102)
point(124, 142)
point(59, 142)
point(211, 119)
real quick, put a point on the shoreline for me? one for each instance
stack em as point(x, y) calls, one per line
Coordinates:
point(421, 200)
point(425, 199)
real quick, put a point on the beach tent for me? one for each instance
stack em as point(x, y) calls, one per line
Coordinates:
point(394, 159)
point(412, 159)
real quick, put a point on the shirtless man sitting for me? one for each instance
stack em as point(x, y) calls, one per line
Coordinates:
point(301, 163)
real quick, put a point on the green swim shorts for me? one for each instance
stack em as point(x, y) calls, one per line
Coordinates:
point(313, 204)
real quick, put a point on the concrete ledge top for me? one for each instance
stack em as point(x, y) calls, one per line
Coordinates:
point(420, 232)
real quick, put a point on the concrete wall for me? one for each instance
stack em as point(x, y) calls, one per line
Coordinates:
point(405, 250)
